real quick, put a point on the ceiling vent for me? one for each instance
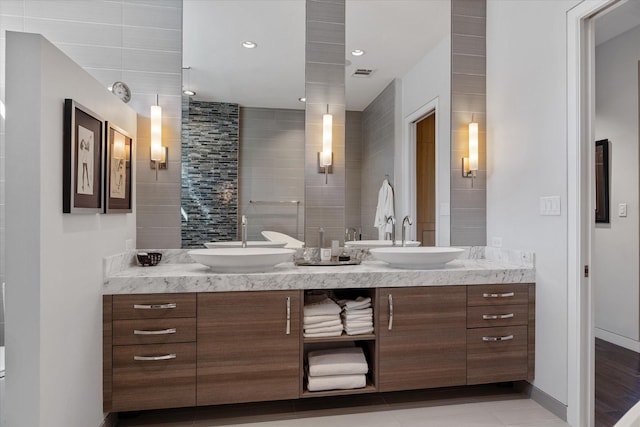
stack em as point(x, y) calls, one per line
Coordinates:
point(362, 72)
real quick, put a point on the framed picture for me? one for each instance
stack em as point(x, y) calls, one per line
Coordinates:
point(118, 170)
point(83, 147)
point(602, 181)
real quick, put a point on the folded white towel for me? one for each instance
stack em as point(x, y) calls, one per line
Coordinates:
point(336, 382)
point(322, 306)
point(322, 334)
point(360, 302)
point(336, 321)
point(310, 320)
point(359, 331)
point(358, 324)
point(337, 361)
point(334, 328)
point(357, 313)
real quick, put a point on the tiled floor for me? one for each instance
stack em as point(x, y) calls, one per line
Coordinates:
point(478, 407)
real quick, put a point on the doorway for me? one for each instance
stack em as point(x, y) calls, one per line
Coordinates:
point(426, 180)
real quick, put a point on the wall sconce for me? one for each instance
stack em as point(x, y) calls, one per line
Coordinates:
point(159, 153)
point(325, 158)
point(470, 164)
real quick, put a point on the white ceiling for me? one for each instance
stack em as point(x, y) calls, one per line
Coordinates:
point(395, 34)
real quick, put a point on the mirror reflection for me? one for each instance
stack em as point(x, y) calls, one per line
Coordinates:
point(244, 129)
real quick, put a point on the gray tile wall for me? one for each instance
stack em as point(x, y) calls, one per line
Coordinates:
point(468, 98)
point(324, 88)
point(210, 144)
point(272, 170)
point(378, 131)
point(138, 42)
point(353, 154)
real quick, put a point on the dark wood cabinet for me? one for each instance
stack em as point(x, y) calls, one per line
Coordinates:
point(422, 337)
point(248, 346)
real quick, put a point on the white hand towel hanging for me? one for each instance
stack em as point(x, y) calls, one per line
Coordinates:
point(384, 209)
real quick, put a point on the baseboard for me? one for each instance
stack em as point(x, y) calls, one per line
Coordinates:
point(616, 339)
point(110, 420)
point(548, 402)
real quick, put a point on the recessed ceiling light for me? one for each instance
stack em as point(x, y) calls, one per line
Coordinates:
point(249, 44)
point(188, 92)
point(357, 52)
point(302, 99)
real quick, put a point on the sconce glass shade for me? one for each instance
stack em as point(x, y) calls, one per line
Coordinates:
point(118, 146)
point(156, 133)
point(327, 134)
point(473, 146)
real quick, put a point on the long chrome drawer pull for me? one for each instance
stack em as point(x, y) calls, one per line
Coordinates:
point(154, 306)
point(497, 316)
point(503, 295)
point(160, 332)
point(505, 338)
point(153, 358)
point(288, 329)
point(390, 311)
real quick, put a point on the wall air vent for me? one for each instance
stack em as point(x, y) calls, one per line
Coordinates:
point(362, 72)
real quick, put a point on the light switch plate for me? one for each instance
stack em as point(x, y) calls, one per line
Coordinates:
point(496, 242)
point(622, 209)
point(550, 205)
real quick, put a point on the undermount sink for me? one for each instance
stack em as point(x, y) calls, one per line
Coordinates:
point(378, 243)
point(241, 260)
point(250, 244)
point(416, 258)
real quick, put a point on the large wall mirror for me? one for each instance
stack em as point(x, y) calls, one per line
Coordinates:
point(260, 144)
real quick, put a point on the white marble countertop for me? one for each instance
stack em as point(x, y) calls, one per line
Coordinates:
point(176, 275)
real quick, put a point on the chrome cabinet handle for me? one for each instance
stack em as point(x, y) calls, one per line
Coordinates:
point(390, 311)
point(492, 339)
point(160, 332)
point(288, 331)
point(154, 358)
point(497, 316)
point(503, 295)
point(154, 306)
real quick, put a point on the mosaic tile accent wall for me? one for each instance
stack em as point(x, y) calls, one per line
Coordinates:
point(210, 142)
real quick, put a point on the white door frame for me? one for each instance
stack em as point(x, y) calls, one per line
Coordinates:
point(580, 195)
point(408, 169)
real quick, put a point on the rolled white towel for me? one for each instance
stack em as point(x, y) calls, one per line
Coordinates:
point(336, 382)
point(321, 306)
point(337, 361)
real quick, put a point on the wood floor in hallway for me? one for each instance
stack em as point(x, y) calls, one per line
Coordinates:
point(617, 382)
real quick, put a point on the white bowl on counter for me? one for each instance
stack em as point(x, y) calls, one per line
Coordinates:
point(250, 244)
point(378, 243)
point(416, 257)
point(241, 260)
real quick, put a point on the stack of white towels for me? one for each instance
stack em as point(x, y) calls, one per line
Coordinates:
point(357, 316)
point(337, 369)
point(321, 317)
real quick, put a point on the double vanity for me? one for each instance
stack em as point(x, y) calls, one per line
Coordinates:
point(178, 334)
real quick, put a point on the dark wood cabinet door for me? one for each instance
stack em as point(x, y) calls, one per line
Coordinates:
point(248, 346)
point(422, 337)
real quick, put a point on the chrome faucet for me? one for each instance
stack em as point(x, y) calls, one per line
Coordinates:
point(405, 221)
point(244, 231)
point(348, 233)
point(393, 229)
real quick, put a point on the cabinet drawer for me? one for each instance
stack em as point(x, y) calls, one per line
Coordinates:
point(164, 376)
point(496, 354)
point(497, 294)
point(483, 316)
point(154, 306)
point(154, 331)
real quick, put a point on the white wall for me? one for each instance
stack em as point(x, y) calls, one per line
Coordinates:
point(428, 80)
point(526, 159)
point(54, 265)
point(615, 279)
